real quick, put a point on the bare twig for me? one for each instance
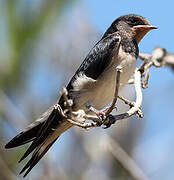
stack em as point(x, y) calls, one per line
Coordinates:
point(136, 109)
point(169, 59)
point(156, 59)
point(126, 101)
point(145, 80)
point(117, 84)
point(159, 57)
point(83, 125)
point(145, 57)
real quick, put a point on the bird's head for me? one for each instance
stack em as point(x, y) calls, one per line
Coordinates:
point(131, 25)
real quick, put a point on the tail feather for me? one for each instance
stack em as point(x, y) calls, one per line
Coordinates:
point(42, 148)
point(37, 155)
point(24, 137)
point(46, 129)
point(30, 133)
point(43, 132)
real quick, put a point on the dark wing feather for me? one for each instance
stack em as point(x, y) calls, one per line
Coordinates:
point(96, 61)
point(100, 56)
point(51, 123)
point(37, 155)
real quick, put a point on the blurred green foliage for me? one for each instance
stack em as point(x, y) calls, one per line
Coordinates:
point(24, 21)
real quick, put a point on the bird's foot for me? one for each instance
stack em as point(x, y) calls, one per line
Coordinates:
point(107, 108)
point(109, 121)
point(109, 118)
point(105, 120)
point(98, 113)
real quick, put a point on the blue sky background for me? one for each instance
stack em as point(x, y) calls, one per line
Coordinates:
point(159, 13)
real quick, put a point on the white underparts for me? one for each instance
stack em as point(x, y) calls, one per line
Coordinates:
point(101, 91)
point(82, 81)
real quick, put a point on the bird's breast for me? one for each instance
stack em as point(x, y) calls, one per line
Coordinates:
point(101, 91)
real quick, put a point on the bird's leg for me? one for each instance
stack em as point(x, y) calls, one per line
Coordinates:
point(106, 109)
point(100, 114)
point(109, 121)
point(106, 120)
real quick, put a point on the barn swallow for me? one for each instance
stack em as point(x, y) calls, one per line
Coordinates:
point(93, 82)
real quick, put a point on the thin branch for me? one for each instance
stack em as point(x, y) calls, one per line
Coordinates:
point(136, 109)
point(169, 59)
point(82, 125)
point(126, 101)
point(159, 57)
point(117, 85)
point(145, 56)
point(146, 79)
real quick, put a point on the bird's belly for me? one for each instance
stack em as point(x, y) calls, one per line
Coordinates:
point(102, 91)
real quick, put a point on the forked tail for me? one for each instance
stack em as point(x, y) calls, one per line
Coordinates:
point(42, 133)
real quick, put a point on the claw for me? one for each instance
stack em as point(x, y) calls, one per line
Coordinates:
point(109, 121)
point(100, 114)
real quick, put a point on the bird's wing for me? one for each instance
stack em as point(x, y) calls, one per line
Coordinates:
point(100, 56)
point(95, 63)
